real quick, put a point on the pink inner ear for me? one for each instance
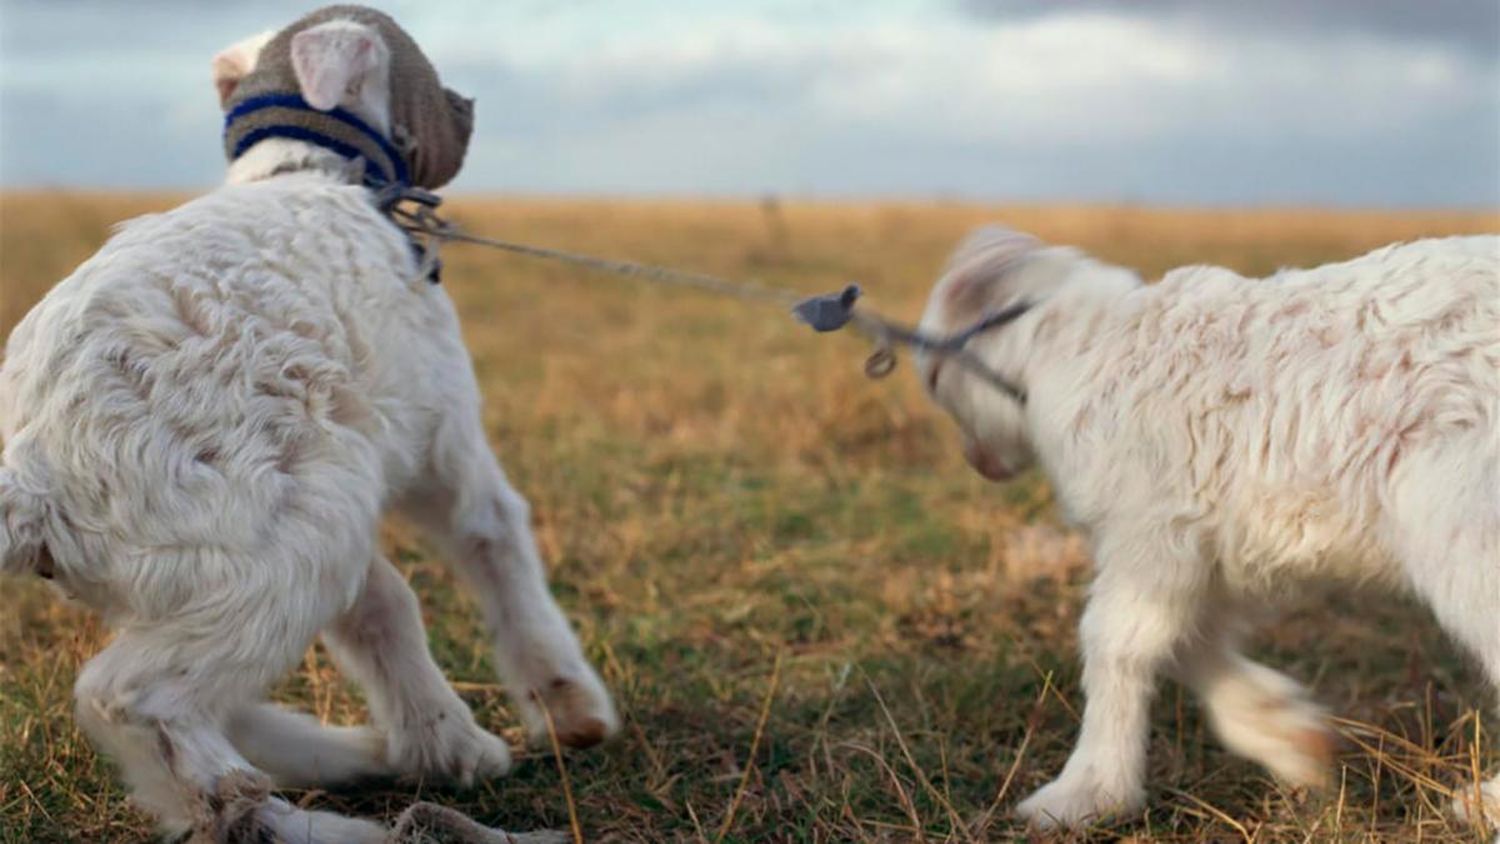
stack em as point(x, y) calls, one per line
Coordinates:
point(959, 291)
point(229, 68)
point(982, 260)
point(226, 88)
point(329, 60)
point(967, 294)
point(235, 61)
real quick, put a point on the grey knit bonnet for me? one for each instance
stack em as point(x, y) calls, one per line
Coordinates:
point(430, 125)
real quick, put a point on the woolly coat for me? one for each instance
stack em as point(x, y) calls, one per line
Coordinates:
point(224, 394)
point(1321, 420)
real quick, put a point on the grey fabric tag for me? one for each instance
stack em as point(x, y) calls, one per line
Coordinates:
point(830, 312)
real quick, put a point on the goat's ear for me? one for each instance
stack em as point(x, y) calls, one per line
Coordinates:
point(981, 260)
point(335, 60)
point(235, 61)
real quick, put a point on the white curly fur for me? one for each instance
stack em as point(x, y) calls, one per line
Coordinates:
point(1221, 439)
point(203, 425)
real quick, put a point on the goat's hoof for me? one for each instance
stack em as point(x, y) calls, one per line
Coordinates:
point(581, 712)
point(451, 746)
point(1072, 802)
point(1479, 805)
point(490, 758)
point(1307, 764)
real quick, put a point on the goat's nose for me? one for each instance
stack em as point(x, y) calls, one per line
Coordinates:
point(989, 466)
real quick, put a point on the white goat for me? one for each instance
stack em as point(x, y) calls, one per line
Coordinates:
point(202, 427)
point(1218, 438)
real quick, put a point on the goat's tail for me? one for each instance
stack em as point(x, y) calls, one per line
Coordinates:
point(21, 520)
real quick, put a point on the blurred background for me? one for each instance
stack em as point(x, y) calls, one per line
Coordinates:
point(1389, 103)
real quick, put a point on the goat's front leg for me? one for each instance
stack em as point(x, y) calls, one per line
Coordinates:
point(381, 644)
point(1141, 609)
point(484, 525)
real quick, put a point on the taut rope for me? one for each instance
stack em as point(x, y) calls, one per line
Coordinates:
point(414, 210)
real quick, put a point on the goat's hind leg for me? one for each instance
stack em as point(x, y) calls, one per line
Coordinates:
point(156, 700)
point(1259, 713)
point(483, 524)
point(300, 752)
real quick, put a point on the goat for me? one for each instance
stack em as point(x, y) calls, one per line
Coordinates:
point(1217, 439)
point(203, 425)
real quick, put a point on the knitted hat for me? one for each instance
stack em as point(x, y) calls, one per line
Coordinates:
point(430, 125)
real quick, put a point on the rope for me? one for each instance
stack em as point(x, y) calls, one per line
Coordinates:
point(423, 221)
point(630, 269)
point(823, 313)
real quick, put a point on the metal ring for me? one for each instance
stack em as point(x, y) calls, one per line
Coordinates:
point(880, 363)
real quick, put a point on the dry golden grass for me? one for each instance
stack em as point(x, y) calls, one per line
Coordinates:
point(819, 624)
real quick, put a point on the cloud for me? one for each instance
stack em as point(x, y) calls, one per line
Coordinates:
point(1087, 105)
point(1469, 25)
point(1150, 101)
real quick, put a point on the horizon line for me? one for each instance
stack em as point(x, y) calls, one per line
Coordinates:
point(827, 198)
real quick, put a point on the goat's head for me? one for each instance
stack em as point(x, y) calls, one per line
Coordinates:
point(992, 269)
point(359, 60)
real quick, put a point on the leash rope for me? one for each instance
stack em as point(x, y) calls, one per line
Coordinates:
point(629, 269)
point(415, 211)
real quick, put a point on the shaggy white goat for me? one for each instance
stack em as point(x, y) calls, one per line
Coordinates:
point(1218, 438)
point(202, 427)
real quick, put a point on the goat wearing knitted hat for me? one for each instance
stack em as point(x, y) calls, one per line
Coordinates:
point(424, 126)
point(203, 424)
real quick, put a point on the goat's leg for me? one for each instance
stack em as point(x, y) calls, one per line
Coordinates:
point(300, 752)
point(1259, 713)
point(1142, 609)
point(468, 505)
point(1449, 545)
point(426, 729)
point(1460, 604)
point(421, 728)
point(1479, 802)
point(156, 700)
point(1475, 621)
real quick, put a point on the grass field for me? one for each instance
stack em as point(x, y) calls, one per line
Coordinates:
point(819, 624)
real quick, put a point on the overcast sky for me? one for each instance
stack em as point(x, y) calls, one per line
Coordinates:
point(1336, 102)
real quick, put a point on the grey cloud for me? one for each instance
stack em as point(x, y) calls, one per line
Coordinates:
point(1434, 163)
point(61, 28)
point(790, 111)
point(1470, 25)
